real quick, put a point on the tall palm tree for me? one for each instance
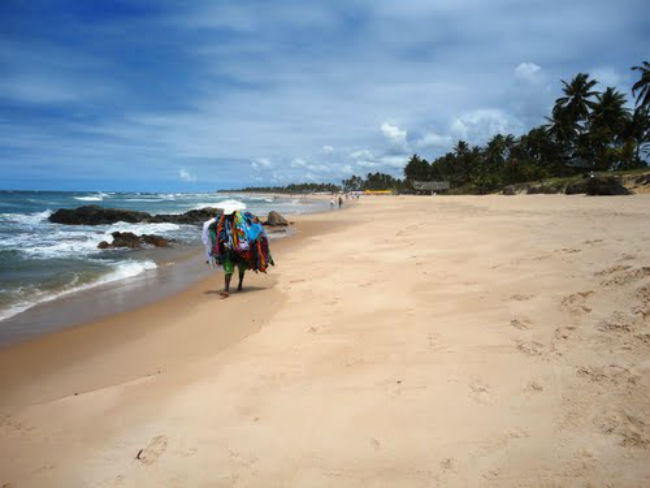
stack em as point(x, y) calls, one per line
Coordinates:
point(607, 124)
point(609, 112)
point(638, 130)
point(643, 86)
point(576, 101)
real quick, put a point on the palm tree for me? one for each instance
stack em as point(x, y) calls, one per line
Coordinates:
point(570, 114)
point(609, 111)
point(643, 86)
point(607, 123)
point(461, 148)
point(638, 130)
point(576, 100)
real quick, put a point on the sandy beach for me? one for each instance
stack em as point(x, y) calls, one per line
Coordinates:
point(407, 341)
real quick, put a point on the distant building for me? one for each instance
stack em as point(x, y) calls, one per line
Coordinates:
point(430, 187)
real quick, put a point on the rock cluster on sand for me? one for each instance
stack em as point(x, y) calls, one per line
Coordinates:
point(132, 241)
point(97, 215)
point(275, 219)
point(598, 185)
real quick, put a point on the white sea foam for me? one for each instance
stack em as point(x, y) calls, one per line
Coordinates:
point(147, 200)
point(161, 228)
point(26, 218)
point(121, 271)
point(61, 242)
point(92, 198)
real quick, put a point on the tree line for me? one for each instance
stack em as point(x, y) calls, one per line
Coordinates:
point(293, 188)
point(586, 130)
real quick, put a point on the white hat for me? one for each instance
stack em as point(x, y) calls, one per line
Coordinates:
point(231, 206)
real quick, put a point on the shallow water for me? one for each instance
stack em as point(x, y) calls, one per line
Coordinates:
point(41, 261)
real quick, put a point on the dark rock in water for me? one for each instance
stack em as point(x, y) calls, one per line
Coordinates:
point(191, 217)
point(154, 240)
point(132, 241)
point(605, 185)
point(275, 218)
point(96, 215)
point(509, 190)
point(577, 187)
point(125, 239)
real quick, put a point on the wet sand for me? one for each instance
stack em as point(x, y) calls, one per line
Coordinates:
point(409, 341)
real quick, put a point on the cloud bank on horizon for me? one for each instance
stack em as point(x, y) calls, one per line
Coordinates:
point(201, 95)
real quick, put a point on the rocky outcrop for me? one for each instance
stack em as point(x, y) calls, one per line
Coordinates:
point(191, 217)
point(605, 185)
point(97, 215)
point(509, 190)
point(275, 219)
point(577, 187)
point(598, 185)
point(132, 241)
point(545, 189)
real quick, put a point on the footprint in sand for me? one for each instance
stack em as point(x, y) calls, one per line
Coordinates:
point(156, 447)
point(519, 297)
point(617, 324)
point(521, 323)
point(576, 303)
point(480, 391)
point(628, 277)
point(612, 270)
point(530, 348)
point(534, 387)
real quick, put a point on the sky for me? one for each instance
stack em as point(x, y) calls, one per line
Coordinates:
point(204, 95)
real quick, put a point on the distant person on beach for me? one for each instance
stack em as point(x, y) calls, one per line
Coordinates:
point(332, 203)
point(340, 201)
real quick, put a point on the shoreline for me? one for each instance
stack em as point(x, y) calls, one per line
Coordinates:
point(176, 269)
point(499, 341)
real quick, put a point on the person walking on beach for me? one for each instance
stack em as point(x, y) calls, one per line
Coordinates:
point(236, 239)
point(230, 258)
point(340, 201)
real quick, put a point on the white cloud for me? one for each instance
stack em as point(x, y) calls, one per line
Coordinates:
point(394, 134)
point(478, 126)
point(433, 139)
point(327, 149)
point(527, 72)
point(186, 176)
point(262, 163)
point(361, 154)
point(394, 161)
point(606, 76)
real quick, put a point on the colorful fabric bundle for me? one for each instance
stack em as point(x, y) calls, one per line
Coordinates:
point(240, 239)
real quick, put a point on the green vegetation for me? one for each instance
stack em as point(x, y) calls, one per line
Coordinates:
point(293, 188)
point(586, 131)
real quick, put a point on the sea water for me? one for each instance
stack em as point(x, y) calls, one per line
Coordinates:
point(40, 260)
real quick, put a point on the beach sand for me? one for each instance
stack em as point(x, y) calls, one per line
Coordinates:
point(408, 341)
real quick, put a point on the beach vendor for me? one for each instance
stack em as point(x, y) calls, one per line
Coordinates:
point(236, 239)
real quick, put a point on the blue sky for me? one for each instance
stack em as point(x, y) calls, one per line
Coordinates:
point(189, 96)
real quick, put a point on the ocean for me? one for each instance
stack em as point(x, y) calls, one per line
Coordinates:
point(41, 261)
